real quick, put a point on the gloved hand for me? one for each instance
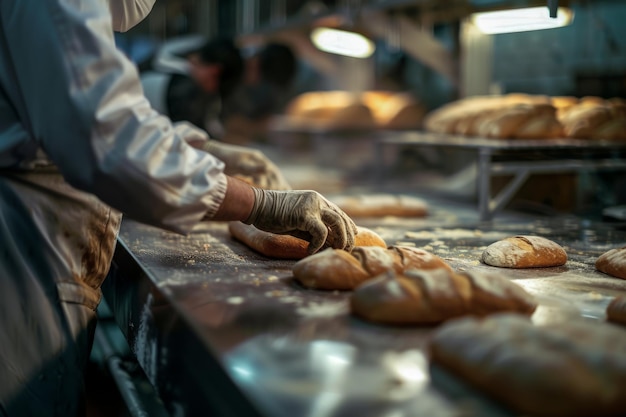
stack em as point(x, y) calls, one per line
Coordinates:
point(248, 164)
point(304, 214)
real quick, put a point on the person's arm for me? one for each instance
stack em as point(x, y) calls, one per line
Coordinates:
point(238, 201)
point(171, 56)
point(82, 100)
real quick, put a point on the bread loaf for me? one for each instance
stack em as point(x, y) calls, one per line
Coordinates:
point(616, 310)
point(521, 121)
point(380, 205)
point(394, 110)
point(334, 269)
point(514, 116)
point(329, 109)
point(524, 252)
point(570, 369)
point(613, 263)
point(287, 246)
point(433, 296)
point(595, 118)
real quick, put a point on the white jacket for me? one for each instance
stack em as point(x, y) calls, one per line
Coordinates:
point(67, 91)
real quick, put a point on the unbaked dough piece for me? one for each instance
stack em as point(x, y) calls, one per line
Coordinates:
point(433, 296)
point(524, 252)
point(569, 369)
point(334, 269)
point(616, 310)
point(289, 247)
point(381, 205)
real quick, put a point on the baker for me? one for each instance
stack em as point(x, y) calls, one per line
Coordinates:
point(79, 145)
point(191, 79)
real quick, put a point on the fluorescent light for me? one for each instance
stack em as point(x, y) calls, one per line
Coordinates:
point(521, 20)
point(341, 42)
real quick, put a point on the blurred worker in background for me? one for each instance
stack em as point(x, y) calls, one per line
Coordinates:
point(265, 90)
point(211, 85)
point(190, 81)
point(79, 145)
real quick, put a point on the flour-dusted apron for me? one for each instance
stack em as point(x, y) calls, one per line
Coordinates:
point(56, 248)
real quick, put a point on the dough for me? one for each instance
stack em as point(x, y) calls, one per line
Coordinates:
point(616, 310)
point(613, 263)
point(333, 269)
point(381, 205)
point(524, 252)
point(570, 369)
point(287, 246)
point(433, 296)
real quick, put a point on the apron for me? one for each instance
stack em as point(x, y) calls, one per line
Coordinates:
point(57, 245)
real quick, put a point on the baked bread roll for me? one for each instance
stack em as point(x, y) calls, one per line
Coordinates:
point(381, 205)
point(334, 269)
point(524, 252)
point(287, 246)
point(613, 263)
point(616, 310)
point(434, 296)
point(569, 369)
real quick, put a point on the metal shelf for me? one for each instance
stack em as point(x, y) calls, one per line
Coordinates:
point(574, 155)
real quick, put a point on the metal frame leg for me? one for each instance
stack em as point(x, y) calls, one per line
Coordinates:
point(484, 184)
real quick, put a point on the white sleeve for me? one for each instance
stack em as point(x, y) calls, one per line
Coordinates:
point(168, 58)
point(81, 99)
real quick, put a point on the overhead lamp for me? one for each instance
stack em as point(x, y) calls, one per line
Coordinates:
point(341, 42)
point(521, 20)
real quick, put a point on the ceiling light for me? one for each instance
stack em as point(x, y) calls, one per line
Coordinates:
point(521, 20)
point(341, 42)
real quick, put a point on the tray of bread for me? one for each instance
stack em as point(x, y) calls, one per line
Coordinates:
point(531, 117)
point(347, 112)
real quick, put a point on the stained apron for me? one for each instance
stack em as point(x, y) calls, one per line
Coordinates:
point(56, 248)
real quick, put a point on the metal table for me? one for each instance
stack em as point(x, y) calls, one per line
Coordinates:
point(221, 330)
point(497, 157)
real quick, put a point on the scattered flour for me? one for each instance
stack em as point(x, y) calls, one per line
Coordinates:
point(323, 309)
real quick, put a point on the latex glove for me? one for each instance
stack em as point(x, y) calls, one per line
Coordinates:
point(247, 164)
point(304, 214)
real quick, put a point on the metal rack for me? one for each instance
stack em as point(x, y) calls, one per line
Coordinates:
point(565, 155)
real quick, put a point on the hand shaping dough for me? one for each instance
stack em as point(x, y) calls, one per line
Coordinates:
point(616, 310)
point(569, 369)
point(287, 246)
point(380, 205)
point(613, 263)
point(524, 252)
point(433, 296)
point(334, 269)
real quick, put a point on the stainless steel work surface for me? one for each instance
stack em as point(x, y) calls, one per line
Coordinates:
point(222, 330)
